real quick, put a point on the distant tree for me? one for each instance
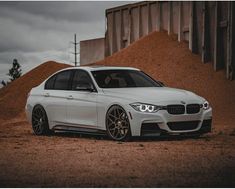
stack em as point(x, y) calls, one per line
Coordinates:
point(4, 83)
point(15, 72)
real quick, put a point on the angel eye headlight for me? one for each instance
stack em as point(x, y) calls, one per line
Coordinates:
point(206, 105)
point(149, 108)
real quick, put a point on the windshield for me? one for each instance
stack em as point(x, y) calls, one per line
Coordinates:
point(123, 79)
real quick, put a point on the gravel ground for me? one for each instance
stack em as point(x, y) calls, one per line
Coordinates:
point(75, 160)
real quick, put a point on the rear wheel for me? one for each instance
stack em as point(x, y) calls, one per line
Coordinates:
point(40, 122)
point(117, 124)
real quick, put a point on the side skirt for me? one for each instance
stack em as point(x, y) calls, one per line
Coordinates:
point(78, 129)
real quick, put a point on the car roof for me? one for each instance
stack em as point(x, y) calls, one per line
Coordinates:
point(99, 68)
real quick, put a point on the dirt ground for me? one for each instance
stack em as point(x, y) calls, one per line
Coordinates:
point(75, 160)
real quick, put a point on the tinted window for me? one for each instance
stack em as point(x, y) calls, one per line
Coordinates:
point(62, 80)
point(123, 78)
point(80, 78)
point(50, 83)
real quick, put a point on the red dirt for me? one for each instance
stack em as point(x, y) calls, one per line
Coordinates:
point(171, 62)
point(73, 160)
point(13, 97)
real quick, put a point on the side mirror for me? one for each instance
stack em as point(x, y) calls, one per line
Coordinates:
point(84, 87)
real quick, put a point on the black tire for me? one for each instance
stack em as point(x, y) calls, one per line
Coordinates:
point(117, 124)
point(40, 121)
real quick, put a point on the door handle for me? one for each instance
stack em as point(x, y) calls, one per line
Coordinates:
point(70, 97)
point(46, 94)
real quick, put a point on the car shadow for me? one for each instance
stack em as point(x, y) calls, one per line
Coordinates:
point(133, 139)
point(81, 135)
point(171, 138)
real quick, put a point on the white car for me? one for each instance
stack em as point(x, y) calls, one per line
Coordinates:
point(119, 101)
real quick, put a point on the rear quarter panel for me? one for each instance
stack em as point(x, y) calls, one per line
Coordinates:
point(35, 97)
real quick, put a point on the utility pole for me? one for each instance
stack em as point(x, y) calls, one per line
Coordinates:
point(75, 49)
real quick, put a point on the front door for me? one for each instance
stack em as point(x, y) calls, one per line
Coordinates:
point(81, 104)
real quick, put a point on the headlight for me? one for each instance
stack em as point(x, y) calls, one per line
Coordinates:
point(206, 105)
point(149, 108)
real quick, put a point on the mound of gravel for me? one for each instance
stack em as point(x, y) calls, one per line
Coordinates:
point(13, 97)
point(171, 62)
point(159, 55)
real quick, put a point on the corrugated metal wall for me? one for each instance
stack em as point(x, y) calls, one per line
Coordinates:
point(207, 26)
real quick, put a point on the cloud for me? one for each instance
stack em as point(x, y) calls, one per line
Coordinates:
point(68, 11)
point(30, 60)
point(34, 32)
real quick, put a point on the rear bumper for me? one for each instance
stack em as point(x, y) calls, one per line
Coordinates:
point(28, 112)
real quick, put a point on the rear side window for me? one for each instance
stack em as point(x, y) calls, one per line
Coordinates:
point(50, 83)
point(60, 81)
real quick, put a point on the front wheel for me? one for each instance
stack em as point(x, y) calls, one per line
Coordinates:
point(39, 121)
point(117, 124)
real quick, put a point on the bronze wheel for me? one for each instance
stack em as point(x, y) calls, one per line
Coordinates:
point(117, 123)
point(39, 121)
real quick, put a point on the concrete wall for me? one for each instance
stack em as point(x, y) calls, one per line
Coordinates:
point(207, 26)
point(91, 50)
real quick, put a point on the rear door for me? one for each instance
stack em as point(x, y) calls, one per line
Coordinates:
point(56, 93)
point(81, 105)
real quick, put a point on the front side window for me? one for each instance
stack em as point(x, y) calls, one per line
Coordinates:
point(60, 81)
point(81, 80)
point(123, 79)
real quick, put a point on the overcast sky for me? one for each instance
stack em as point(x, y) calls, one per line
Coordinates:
point(35, 32)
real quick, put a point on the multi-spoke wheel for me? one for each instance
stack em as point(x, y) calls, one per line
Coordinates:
point(40, 121)
point(117, 123)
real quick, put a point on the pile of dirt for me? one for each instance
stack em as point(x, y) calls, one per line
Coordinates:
point(171, 62)
point(160, 162)
point(13, 97)
point(159, 55)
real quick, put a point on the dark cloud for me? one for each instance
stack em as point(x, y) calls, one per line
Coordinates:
point(34, 32)
point(69, 11)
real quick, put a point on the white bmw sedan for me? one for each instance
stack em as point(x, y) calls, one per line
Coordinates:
point(119, 101)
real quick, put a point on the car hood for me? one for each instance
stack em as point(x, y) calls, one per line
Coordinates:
point(160, 95)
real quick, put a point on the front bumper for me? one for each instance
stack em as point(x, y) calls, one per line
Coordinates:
point(171, 124)
point(152, 129)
